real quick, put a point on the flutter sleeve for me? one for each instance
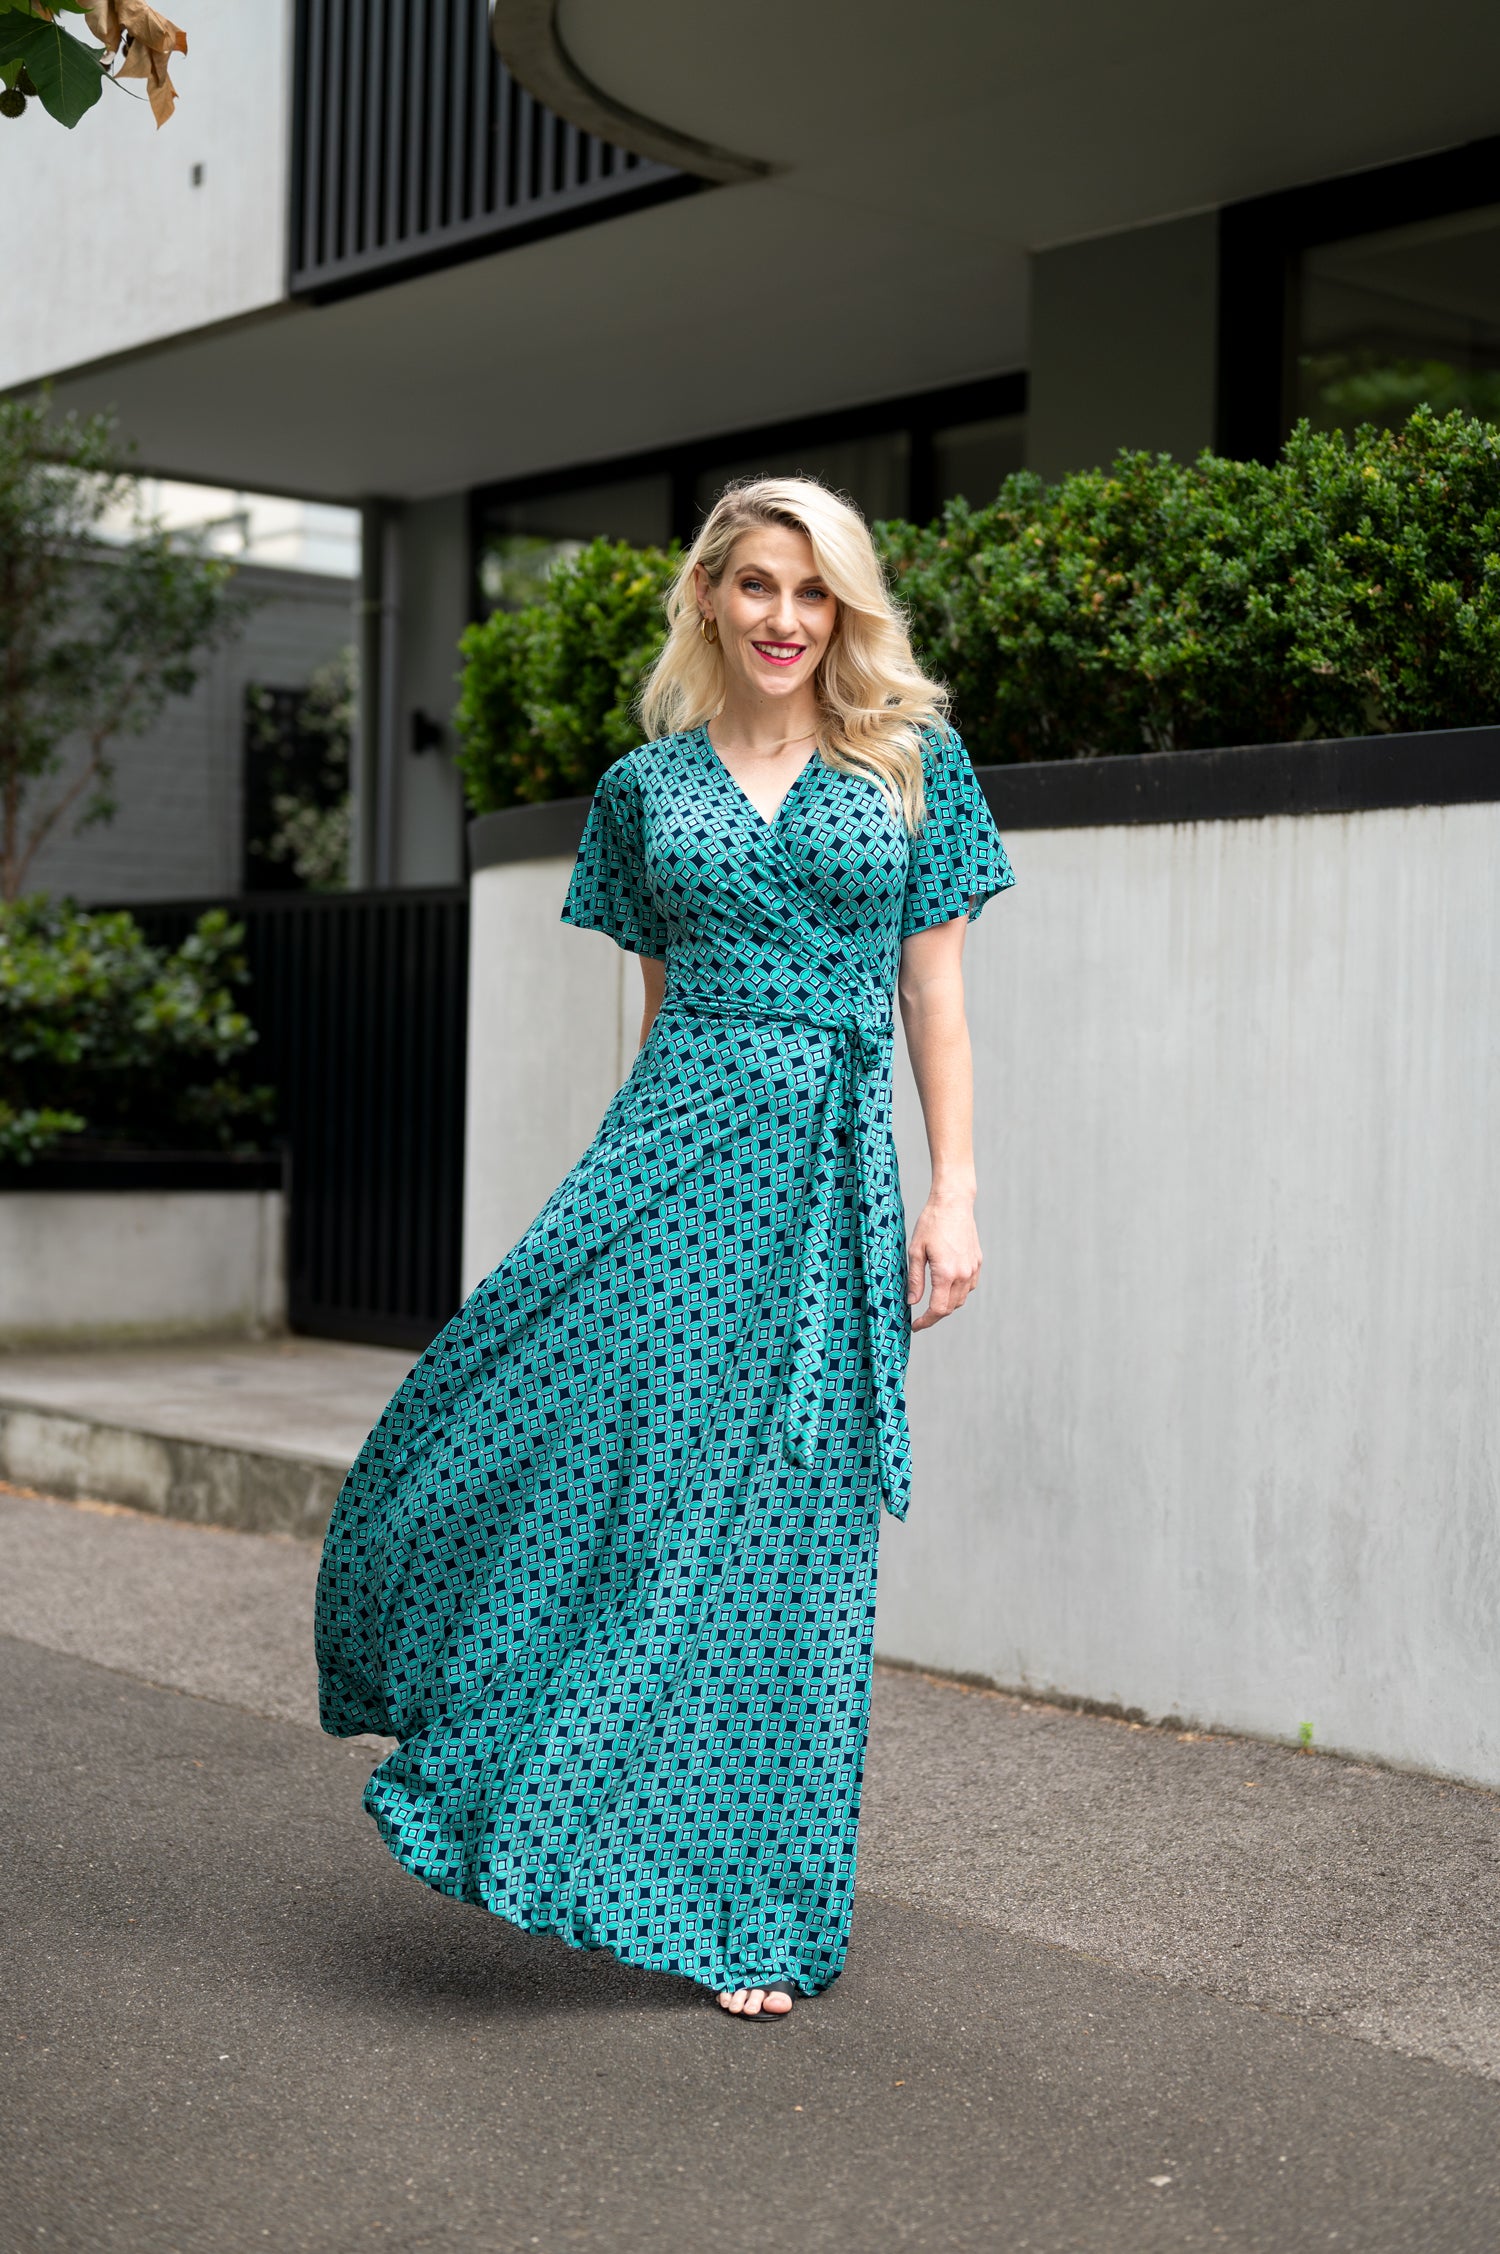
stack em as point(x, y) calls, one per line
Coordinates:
point(957, 859)
point(608, 890)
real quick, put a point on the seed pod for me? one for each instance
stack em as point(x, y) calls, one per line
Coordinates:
point(12, 102)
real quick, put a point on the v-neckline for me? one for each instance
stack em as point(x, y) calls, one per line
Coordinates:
point(766, 821)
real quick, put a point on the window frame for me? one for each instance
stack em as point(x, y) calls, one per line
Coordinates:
point(1261, 242)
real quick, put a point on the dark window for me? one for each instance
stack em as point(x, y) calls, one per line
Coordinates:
point(1405, 317)
point(519, 541)
point(1356, 299)
point(874, 472)
point(296, 783)
point(900, 457)
point(971, 461)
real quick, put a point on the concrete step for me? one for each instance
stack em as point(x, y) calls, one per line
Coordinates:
point(250, 1435)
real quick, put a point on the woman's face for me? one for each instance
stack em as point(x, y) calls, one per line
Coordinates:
point(775, 615)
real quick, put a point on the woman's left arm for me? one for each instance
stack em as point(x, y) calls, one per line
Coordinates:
point(944, 1244)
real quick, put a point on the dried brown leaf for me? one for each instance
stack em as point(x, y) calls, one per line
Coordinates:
point(148, 39)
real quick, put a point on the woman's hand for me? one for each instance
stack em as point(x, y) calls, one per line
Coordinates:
point(944, 1246)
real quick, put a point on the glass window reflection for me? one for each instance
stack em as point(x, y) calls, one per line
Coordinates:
point(1407, 317)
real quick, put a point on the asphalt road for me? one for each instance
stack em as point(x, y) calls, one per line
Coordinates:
point(232, 2022)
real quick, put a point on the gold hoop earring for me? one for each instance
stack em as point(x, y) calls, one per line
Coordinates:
point(708, 627)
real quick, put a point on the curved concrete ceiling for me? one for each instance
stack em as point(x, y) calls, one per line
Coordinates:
point(526, 34)
point(1042, 124)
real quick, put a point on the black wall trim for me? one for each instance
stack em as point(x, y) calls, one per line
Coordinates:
point(159, 1170)
point(1344, 775)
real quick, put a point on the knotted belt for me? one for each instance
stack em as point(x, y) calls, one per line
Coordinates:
point(860, 1068)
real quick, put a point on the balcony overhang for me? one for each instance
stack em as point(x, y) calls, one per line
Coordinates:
point(527, 34)
point(896, 169)
point(1037, 124)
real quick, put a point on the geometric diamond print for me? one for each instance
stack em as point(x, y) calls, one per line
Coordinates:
point(606, 1565)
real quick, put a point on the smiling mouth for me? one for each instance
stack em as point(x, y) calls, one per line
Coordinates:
point(780, 653)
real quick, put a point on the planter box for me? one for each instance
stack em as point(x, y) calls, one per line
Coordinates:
point(104, 1251)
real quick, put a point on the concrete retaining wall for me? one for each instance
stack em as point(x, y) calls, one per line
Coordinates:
point(92, 1266)
point(550, 1040)
point(1220, 1435)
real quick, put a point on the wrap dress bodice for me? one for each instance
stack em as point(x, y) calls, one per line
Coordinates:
point(606, 1565)
point(800, 918)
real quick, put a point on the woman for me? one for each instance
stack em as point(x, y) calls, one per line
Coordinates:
point(606, 1566)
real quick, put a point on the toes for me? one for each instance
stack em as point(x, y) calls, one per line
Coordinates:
point(751, 2002)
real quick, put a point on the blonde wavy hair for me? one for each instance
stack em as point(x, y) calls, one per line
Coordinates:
point(875, 698)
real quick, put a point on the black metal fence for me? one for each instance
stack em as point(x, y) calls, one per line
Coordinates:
point(412, 144)
point(361, 1003)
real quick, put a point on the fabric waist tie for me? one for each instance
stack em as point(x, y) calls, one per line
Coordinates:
point(860, 1069)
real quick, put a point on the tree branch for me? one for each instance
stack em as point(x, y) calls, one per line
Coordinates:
point(42, 828)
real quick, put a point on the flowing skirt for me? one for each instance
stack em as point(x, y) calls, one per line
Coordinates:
point(624, 1642)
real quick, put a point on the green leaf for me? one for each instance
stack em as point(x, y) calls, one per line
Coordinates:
point(67, 74)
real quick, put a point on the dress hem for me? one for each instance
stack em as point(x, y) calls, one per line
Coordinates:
point(627, 1952)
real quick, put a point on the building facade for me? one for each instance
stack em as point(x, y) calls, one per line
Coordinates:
point(503, 279)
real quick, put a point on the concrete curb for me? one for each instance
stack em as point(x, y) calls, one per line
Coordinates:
point(255, 1491)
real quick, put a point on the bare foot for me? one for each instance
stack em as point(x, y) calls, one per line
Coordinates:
point(753, 2001)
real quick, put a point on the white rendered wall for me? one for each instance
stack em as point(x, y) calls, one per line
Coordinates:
point(554, 1019)
point(120, 248)
point(1220, 1435)
point(81, 1266)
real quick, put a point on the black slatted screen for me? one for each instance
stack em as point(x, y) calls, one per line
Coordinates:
point(413, 143)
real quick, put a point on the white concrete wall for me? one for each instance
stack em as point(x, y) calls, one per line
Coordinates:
point(85, 1266)
point(120, 248)
point(1220, 1435)
point(554, 1018)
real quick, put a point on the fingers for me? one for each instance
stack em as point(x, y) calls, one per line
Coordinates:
point(951, 1287)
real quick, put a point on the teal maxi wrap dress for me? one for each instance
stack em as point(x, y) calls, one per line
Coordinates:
point(606, 1565)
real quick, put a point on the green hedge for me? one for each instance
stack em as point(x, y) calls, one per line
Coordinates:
point(1352, 587)
point(548, 696)
point(105, 1038)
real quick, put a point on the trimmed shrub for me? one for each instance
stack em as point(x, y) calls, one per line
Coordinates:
point(106, 1038)
point(1350, 588)
point(548, 692)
